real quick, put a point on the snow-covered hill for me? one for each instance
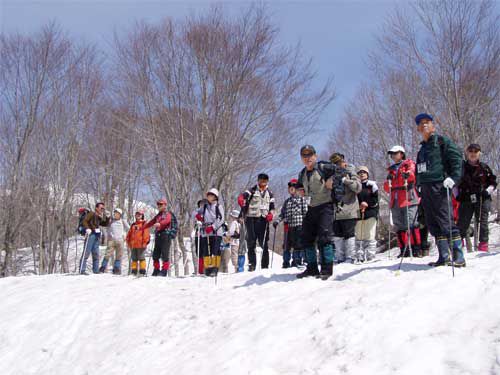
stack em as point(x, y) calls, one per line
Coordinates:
point(365, 320)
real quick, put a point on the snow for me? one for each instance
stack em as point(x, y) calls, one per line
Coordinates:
point(365, 320)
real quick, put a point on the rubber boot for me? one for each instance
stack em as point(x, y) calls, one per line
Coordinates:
point(310, 271)
point(326, 271)
point(444, 254)
point(241, 263)
point(156, 267)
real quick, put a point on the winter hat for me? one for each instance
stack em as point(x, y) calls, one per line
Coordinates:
point(140, 212)
point(423, 116)
point(214, 191)
point(474, 146)
point(299, 186)
point(307, 150)
point(293, 182)
point(336, 157)
point(363, 169)
point(235, 213)
point(81, 210)
point(119, 210)
point(162, 201)
point(395, 149)
point(263, 176)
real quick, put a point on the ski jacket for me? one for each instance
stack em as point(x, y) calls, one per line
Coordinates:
point(168, 223)
point(235, 233)
point(93, 221)
point(293, 211)
point(314, 186)
point(475, 179)
point(371, 198)
point(136, 237)
point(258, 203)
point(398, 189)
point(212, 215)
point(348, 207)
point(117, 230)
point(437, 159)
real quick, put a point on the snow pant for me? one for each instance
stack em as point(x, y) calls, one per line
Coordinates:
point(210, 254)
point(480, 210)
point(365, 233)
point(424, 231)
point(345, 240)
point(234, 256)
point(114, 248)
point(400, 217)
point(293, 247)
point(257, 230)
point(438, 210)
point(138, 258)
point(242, 248)
point(162, 250)
point(225, 258)
point(91, 246)
point(317, 228)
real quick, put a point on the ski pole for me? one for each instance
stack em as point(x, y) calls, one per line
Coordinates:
point(408, 217)
point(479, 221)
point(85, 245)
point(274, 243)
point(450, 224)
point(198, 249)
point(264, 244)
point(361, 250)
point(76, 249)
point(390, 219)
point(409, 239)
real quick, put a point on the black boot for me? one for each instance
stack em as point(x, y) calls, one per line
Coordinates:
point(311, 270)
point(326, 271)
point(102, 269)
point(134, 272)
point(142, 272)
point(251, 268)
point(156, 272)
point(117, 271)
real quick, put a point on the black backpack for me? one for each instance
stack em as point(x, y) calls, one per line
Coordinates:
point(81, 228)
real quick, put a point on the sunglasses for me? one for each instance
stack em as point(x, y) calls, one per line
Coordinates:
point(160, 204)
point(473, 151)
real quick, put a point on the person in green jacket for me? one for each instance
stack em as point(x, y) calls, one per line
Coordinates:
point(439, 168)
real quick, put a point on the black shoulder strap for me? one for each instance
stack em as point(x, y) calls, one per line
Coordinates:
point(301, 175)
point(217, 212)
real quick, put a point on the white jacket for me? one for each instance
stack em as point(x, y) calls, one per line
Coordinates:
point(117, 230)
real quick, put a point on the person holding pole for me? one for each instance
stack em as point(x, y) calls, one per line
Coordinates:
point(439, 168)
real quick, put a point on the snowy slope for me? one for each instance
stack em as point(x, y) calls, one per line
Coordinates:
point(366, 320)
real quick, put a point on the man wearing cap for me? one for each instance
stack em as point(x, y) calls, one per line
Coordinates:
point(292, 214)
point(257, 204)
point(346, 211)
point(92, 223)
point(317, 224)
point(474, 194)
point(439, 168)
point(404, 201)
point(116, 235)
point(165, 224)
point(366, 226)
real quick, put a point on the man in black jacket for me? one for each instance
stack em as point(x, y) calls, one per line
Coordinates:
point(474, 194)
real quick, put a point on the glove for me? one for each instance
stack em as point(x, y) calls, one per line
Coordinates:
point(97, 230)
point(88, 231)
point(343, 179)
point(241, 200)
point(448, 183)
point(373, 185)
point(199, 217)
point(490, 189)
point(406, 175)
point(107, 213)
point(390, 177)
point(209, 229)
point(269, 217)
point(198, 223)
point(276, 223)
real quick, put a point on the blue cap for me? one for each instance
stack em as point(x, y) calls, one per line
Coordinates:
point(423, 116)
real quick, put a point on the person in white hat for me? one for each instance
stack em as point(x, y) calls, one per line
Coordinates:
point(233, 237)
point(404, 200)
point(211, 216)
point(116, 234)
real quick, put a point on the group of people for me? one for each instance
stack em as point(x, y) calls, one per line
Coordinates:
point(329, 217)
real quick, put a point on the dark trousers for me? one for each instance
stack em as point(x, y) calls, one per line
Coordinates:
point(479, 210)
point(162, 247)
point(293, 246)
point(344, 228)
point(437, 210)
point(317, 227)
point(257, 230)
point(210, 246)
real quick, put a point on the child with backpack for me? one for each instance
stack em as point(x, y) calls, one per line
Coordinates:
point(116, 234)
point(137, 241)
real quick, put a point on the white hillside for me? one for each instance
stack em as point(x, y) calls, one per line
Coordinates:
point(365, 320)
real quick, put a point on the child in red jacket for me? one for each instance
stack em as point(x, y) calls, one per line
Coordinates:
point(137, 240)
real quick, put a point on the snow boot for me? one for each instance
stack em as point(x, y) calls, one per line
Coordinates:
point(339, 249)
point(164, 269)
point(286, 265)
point(483, 246)
point(350, 249)
point(116, 271)
point(326, 271)
point(156, 272)
point(102, 269)
point(251, 268)
point(134, 271)
point(142, 272)
point(311, 270)
point(444, 252)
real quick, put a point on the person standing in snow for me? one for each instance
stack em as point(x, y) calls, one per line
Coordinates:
point(292, 214)
point(137, 241)
point(347, 211)
point(211, 215)
point(366, 226)
point(317, 224)
point(165, 224)
point(474, 194)
point(234, 237)
point(195, 236)
point(92, 223)
point(116, 233)
point(439, 168)
point(257, 204)
point(404, 201)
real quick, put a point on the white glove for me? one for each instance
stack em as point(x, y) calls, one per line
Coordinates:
point(107, 213)
point(373, 184)
point(448, 183)
point(490, 189)
point(343, 179)
point(88, 231)
point(97, 230)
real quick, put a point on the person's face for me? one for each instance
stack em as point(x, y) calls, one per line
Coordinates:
point(262, 183)
point(309, 160)
point(99, 209)
point(301, 192)
point(473, 155)
point(117, 215)
point(363, 176)
point(397, 157)
point(138, 216)
point(211, 198)
point(426, 128)
point(292, 190)
point(161, 206)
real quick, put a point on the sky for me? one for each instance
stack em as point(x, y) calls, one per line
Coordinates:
point(337, 34)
